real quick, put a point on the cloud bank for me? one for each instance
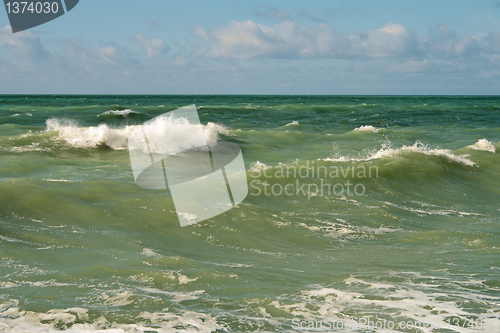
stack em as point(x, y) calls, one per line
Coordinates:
point(229, 57)
point(247, 39)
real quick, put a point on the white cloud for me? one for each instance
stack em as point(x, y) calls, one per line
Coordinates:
point(154, 46)
point(373, 61)
point(89, 61)
point(442, 33)
point(392, 40)
point(248, 39)
point(443, 43)
point(21, 45)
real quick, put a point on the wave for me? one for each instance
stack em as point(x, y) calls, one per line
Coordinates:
point(367, 128)
point(123, 113)
point(92, 136)
point(59, 180)
point(257, 166)
point(295, 122)
point(435, 211)
point(484, 145)
point(176, 132)
point(418, 148)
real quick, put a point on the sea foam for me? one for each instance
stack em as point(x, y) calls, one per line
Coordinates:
point(483, 144)
point(77, 320)
point(367, 128)
point(176, 131)
point(257, 166)
point(123, 113)
point(420, 306)
point(418, 147)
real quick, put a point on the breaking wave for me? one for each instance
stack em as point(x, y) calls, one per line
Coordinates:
point(418, 147)
point(116, 138)
point(367, 128)
point(123, 113)
point(483, 144)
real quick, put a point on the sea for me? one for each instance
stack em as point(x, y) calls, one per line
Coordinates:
point(363, 214)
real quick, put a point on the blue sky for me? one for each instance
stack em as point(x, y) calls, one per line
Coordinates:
point(257, 47)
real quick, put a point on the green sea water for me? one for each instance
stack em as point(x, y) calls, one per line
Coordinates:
point(414, 238)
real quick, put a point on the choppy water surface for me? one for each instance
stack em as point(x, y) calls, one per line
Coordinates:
point(414, 238)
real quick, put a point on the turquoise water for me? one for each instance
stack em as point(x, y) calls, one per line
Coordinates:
point(416, 238)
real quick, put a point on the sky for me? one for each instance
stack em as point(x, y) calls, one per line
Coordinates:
point(318, 47)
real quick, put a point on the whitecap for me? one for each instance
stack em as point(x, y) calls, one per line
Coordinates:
point(484, 145)
point(367, 128)
point(257, 166)
point(59, 180)
point(123, 113)
point(116, 138)
point(418, 147)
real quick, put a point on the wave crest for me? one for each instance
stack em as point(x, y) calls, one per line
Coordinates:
point(367, 128)
point(483, 144)
point(123, 113)
point(257, 166)
point(417, 147)
point(116, 138)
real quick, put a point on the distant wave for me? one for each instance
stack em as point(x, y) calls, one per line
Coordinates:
point(123, 113)
point(295, 122)
point(418, 148)
point(177, 133)
point(367, 128)
point(257, 166)
point(483, 144)
point(59, 180)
